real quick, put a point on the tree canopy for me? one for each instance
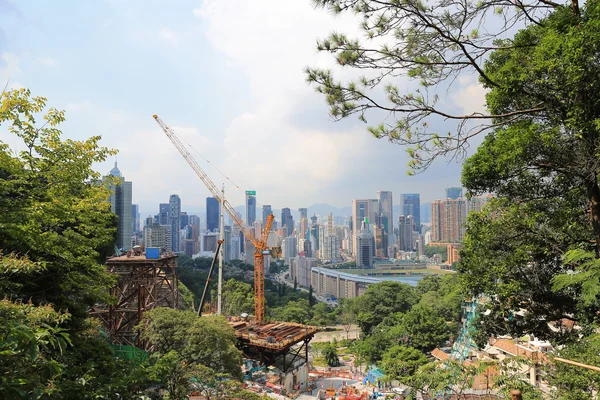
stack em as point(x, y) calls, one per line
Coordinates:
point(55, 230)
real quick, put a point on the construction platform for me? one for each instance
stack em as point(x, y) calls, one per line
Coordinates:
point(142, 284)
point(273, 343)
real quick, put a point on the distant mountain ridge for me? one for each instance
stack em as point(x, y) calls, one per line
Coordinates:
point(322, 209)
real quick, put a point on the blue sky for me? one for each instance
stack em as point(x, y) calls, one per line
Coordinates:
point(227, 76)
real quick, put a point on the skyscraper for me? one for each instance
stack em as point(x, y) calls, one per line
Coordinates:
point(287, 220)
point(156, 235)
point(266, 210)
point(436, 220)
point(303, 212)
point(212, 214)
point(448, 217)
point(387, 220)
point(454, 193)
point(405, 233)
point(227, 244)
point(184, 220)
point(364, 249)
point(250, 207)
point(175, 220)
point(289, 249)
point(135, 217)
point(120, 204)
point(163, 214)
point(363, 210)
point(410, 204)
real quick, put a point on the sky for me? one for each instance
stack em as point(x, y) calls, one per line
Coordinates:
point(228, 77)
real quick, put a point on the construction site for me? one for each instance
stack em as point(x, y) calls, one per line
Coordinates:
point(275, 353)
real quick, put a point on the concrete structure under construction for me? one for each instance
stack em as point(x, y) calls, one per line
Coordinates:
point(283, 345)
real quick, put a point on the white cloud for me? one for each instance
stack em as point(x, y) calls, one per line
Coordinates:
point(282, 157)
point(470, 96)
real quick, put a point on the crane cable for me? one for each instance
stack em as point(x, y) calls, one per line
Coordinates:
point(217, 169)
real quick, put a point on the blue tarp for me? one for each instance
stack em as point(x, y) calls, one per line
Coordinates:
point(374, 375)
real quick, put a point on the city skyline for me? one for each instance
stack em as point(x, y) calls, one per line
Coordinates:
point(183, 52)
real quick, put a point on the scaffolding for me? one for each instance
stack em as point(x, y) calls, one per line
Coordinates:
point(142, 284)
point(464, 341)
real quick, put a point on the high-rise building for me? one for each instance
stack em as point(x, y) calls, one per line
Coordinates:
point(209, 241)
point(227, 249)
point(266, 211)
point(287, 220)
point(289, 248)
point(235, 246)
point(303, 227)
point(250, 207)
point(135, 217)
point(363, 210)
point(405, 233)
point(258, 227)
point(333, 248)
point(381, 241)
point(410, 204)
point(448, 217)
point(476, 203)
point(386, 213)
point(364, 249)
point(212, 214)
point(194, 220)
point(454, 220)
point(175, 220)
point(454, 193)
point(120, 204)
point(184, 219)
point(149, 220)
point(303, 213)
point(436, 220)
point(163, 213)
point(156, 235)
point(300, 269)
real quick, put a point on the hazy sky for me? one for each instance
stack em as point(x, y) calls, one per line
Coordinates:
point(227, 76)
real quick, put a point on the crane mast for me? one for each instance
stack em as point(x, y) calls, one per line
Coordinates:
point(260, 244)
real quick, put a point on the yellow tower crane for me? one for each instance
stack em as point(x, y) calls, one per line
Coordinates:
point(260, 245)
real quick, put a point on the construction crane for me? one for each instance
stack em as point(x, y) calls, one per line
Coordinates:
point(260, 245)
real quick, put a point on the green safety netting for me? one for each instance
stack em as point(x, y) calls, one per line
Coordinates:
point(129, 353)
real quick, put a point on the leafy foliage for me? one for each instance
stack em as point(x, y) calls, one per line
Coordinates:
point(56, 229)
point(411, 54)
point(330, 355)
point(381, 300)
point(399, 362)
point(208, 341)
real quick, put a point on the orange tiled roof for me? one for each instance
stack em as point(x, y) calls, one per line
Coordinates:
point(439, 354)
